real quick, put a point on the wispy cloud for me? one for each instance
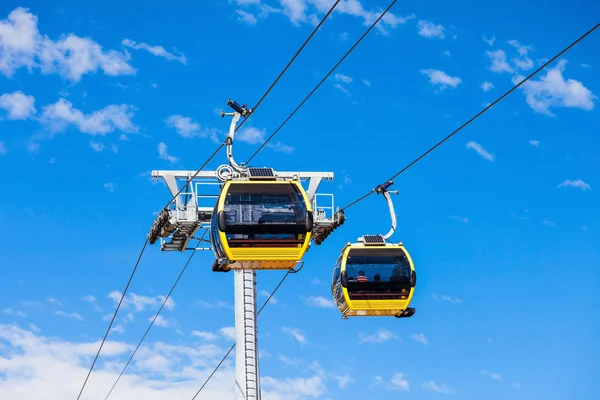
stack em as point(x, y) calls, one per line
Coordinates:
point(490, 41)
point(430, 30)
point(246, 17)
point(10, 311)
point(487, 86)
point(343, 78)
point(296, 334)
point(460, 219)
point(444, 297)
point(382, 335)
point(441, 79)
point(434, 387)
point(110, 186)
point(73, 315)
point(164, 154)
point(549, 223)
point(421, 338)
point(188, 128)
point(480, 150)
point(534, 143)
point(495, 376)
point(158, 51)
point(320, 301)
point(578, 183)
point(498, 61)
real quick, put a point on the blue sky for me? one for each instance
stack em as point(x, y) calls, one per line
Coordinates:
point(501, 221)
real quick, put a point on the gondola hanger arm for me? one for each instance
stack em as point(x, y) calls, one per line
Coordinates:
point(240, 111)
point(383, 189)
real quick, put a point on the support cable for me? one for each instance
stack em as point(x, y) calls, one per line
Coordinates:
point(480, 113)
point(156, 316)
point(113, 318)
point(322, 80)
point(231, 348)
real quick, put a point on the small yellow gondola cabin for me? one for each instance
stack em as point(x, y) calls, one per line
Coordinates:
point(374, 278)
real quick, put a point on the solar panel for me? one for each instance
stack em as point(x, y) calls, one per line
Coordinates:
point(261, 173)
point(373, 240)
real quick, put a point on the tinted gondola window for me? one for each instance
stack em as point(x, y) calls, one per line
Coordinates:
point(373, 273)
point(265, 211)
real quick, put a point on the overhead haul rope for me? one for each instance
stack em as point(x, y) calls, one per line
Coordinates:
point(478, 114)
point(322, 80)
point(188, 182)
point(233, 345)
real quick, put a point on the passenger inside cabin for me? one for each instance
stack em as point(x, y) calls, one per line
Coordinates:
point(376, 277)
point(361, 277)
point(351, 279)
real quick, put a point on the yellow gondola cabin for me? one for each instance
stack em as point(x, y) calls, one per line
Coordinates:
point(374, 278)
point(261, 225)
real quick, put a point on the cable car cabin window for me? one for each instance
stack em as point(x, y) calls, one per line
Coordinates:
point(378, 274)
point(265, 214)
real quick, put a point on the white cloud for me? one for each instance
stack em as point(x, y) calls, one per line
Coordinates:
point(499, 63)
point(459, 219)
point(92, 300)
point(437, 77)
point(320, 301)
point(434, 387)
point(343, 78)
point(421, 338)
point(42, 367)
point(188, 128)
point(549, 223)
point(449, 299)
point(216, 304)
point(10, 311)
point(397, 382)
point(97, 146)
point(22, 45)
point(228, 332)
point(118, 329)
point(110, 186)
point(490, 41)
point(17, 105)
point(246, 17)
point(3, 149)
point(344, 380)
point(208, 336)
point(447, 53)
point(534, 143)
point(342, 89)
point(267, 294)
point(480, 150)
point(73, 315)
point(495, 376)
point(521, 62)
point(52, 300)
point(60, 115)
point(158, 51)
point(552, 90)
point(140, 302)
point(164, 155)
point(162, 322)
point(296, 334)
point(366, 82)
point(308, 12)
point(576, 184)
point(287, 360)
point(382, 335)
point(487, 86)
point(430, 30)
point(251, 135)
